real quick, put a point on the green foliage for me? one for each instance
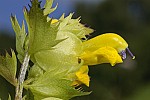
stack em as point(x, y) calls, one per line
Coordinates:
point(53, 84)
point(54, 49)
point(62, 56)
point(48, 77)
point(35, 72)
point(42, 36)
point(74, 26)
point(48, 7)
point(20, 37)
point(8, 67)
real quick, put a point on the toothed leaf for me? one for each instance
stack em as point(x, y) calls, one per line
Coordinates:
point(63, 56)
point(54, 50)
point(42, 35)
point(20, 37)
point(48, 7)
point(8, 67)
point(58, 63)
point(74, 26)
point(52, 84)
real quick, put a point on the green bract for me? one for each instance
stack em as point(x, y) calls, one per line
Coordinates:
point(42, 35)
point(8, 67)
point(54, 50)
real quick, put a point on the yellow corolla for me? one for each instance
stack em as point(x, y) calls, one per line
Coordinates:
point(102, 55)
point(54, 21)
point(108, 39)
point(82, 76)
point(106, 48)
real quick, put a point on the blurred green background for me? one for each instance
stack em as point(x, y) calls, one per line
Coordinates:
point(131, 20)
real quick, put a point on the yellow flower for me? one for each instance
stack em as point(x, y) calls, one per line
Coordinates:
point(108, 39)
point(106, 48)
point(102, 55)
point(82, 76)
point(54, 21)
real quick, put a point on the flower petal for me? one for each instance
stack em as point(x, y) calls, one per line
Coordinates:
point(107, 39)
point(102, 55)
point(54, 21)
point(82, 76)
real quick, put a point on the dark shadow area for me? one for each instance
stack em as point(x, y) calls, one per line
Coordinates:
point(7, 41)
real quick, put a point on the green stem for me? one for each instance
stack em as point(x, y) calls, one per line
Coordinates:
point(19, 88)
